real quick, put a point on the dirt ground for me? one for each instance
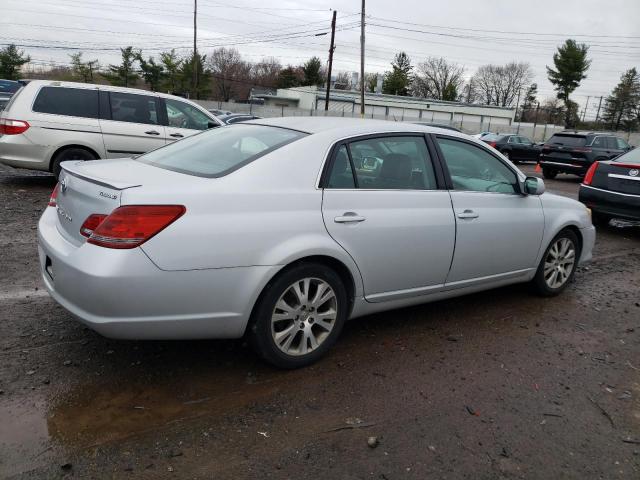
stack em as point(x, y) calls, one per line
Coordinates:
point(501, 384)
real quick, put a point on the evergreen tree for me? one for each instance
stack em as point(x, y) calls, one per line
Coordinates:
point(571, 65)
point(152, 72)
point(11, 60)
point(172, 65)
point(313, 72)
point(623, 105)
point(288, 78)
point(124, 75)
point(397, 81)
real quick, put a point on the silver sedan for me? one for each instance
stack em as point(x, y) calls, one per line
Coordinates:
point(282, 229)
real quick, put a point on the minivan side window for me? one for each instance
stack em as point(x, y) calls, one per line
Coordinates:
point(622, 145)
point(72, 102)
point(473, 169)
point(129, 107)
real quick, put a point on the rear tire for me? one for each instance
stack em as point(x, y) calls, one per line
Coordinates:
point(549, 173)
point(291, 327)
point(558, 264)
point(73, 153)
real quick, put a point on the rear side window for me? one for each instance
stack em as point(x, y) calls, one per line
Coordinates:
point(622, 145)
point(128, 107)
point(73, 102)
point(568, 140)
point(218, 152)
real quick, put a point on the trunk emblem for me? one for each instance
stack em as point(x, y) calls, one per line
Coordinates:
point(63, 184)
point(634, 172)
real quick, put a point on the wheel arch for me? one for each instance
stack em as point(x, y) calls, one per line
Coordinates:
point(67, 147)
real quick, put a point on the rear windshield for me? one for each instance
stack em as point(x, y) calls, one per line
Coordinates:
point(492, 137)
point(632, 156)
point(568, 140)
point(220, 151)
point(9, 87)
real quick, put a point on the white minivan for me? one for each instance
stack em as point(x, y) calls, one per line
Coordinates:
point(49, 122)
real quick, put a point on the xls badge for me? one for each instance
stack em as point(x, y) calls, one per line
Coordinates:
point(64, 214)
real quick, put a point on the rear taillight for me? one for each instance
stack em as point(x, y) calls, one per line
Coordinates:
point(132, 225)
point(588, 178)
point(492, 144)
point(12, 127)
point(53, 199)
point(91, 223)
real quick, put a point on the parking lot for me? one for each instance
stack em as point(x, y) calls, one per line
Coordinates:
point(500, 384)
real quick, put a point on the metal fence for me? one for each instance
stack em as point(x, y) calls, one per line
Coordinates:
point(535, 132)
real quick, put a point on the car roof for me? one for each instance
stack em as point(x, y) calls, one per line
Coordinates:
point(342, 126)
point(583, 133)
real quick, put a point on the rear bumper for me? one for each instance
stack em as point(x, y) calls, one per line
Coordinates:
point(122, 294)
point(562, 165)
point(621, 205)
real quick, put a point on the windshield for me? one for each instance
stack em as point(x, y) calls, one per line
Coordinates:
point(632, 156)
point(220, 151)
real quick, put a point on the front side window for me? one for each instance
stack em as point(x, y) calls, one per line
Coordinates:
point(72, 102)
point(525, 141)
point(621, 144)
point(220, 151)
point(132, 108)
point(392, 163)
point(183, 115)
point(473, 169)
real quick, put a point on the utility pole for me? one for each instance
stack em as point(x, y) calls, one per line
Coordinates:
point(598, 114)
point(195, 48)
point(362, 61)
point(516, 114)
point(584, 112)
point(332, 47)
point(469, 91)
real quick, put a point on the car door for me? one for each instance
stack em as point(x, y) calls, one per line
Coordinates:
point(131, 124)
point(514, 148)
point(183, 119)
point(614, 147)
point(382, 203)
point(529, 152)
point(498, 230)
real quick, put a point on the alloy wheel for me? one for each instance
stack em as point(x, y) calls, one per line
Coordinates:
point(559, 263)
point(304, 316)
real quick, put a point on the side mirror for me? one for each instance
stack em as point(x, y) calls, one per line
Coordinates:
point(212, 125)
point(533, 186)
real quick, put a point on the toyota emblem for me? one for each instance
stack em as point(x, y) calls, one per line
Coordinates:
point(634, 172)
point(63, 184)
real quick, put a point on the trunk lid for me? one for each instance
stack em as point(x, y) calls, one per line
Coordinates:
point(567, 148)
point(96, 187)
point(618, 177)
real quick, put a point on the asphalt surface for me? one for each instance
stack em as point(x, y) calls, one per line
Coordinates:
point(501, 384)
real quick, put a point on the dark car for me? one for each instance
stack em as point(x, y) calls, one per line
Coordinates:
point(9, 87)
point(3, 102)
point(574, 152)
point(235, 118)
point(515, 147)
point(612, 188)
point(439, 125)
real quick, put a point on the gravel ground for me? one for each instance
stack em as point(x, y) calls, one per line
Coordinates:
point(501, 384)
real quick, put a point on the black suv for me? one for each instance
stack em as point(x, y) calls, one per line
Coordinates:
point(574, 152)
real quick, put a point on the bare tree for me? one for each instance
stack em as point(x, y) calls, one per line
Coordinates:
point(438, 79)
point(499, 85)
point(231, 74)
point(265, 72)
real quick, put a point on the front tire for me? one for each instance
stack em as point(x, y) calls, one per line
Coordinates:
point(299, 316)
point(73, 153)
point(558, 264)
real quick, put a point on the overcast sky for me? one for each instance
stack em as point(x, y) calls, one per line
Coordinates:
point(469, 32)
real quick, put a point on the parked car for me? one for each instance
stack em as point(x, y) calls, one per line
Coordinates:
point(48, 123)
point(235, 118)
point(438, 125)
point(9, 87)
point(612, 188)
point(217, 112)
point(574, 152)
point(515, 147)
point(281, 237)
point(3, 102)
point(480, 135)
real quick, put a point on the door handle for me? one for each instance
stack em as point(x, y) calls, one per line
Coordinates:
point(349, 217)
point(152, 132)
point(468, 214)
point(177, 135)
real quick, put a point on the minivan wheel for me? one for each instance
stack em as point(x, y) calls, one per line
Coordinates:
point(299, 316)
point(558, 264)
point(549, 173)
point(73, 153)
